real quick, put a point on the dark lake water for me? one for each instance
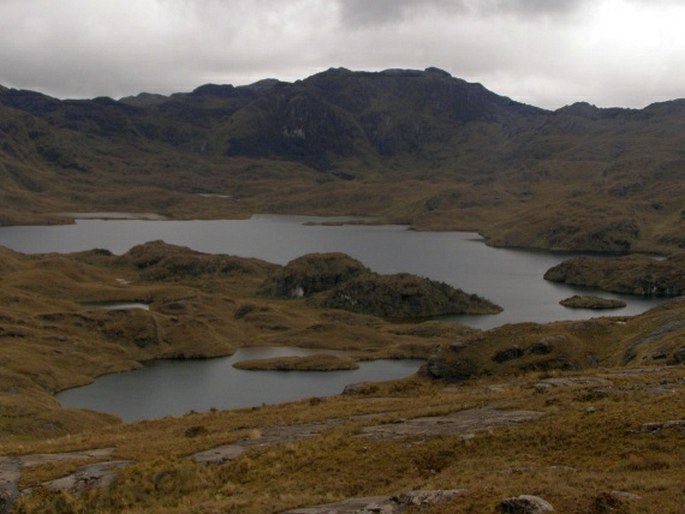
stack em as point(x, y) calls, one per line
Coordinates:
point(173, 387)
point(510, 278)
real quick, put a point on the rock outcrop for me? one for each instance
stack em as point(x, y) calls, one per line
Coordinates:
point(383, 504)
point(524, 504)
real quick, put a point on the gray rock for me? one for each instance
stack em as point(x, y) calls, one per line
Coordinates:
point(663, 425)
point(265, 437)
point(417, 498)
point(382, 504)
point(550, 383)
point(220, 454)
point(9, 478)
point(10, 471)
point(100, 476)
point(367, 505)
point(461, 422)
point(524, 504)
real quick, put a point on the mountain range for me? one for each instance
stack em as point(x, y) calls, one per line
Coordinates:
point(408, 146)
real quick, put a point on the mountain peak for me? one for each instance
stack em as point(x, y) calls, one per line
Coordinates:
point(437, 71)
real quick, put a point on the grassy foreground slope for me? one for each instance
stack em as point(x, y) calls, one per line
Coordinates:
point(587, 414)
point(418, 147)
point(592, 443)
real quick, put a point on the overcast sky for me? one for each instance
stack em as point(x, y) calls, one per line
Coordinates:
point(547, 53)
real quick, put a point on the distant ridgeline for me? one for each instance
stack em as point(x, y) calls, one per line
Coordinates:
point(419, 147)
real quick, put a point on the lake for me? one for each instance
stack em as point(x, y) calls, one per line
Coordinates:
point(510, 278)
point(175, 387)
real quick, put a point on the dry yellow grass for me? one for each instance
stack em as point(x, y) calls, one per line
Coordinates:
point(586, 445)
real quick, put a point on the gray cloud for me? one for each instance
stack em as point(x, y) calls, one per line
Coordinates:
point(548, 53)
point(362, 13)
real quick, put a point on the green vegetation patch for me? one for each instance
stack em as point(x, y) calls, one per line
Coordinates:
point(592, 302)
point(337, 281)
point(635, 274)
point(404, 296)
point(321, 362)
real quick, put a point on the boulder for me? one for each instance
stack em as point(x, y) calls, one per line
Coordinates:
point(658, 426)
point(524, 504)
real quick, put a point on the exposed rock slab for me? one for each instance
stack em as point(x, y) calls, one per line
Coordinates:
point(43, 458)
point(524, 504)
point(550, 383)
point(101, 475)
point(10, 473)
point(268, 436)
point(366, 505)
point(10, 470)
point(663, 425)
point(461, 422)
point(382, 504)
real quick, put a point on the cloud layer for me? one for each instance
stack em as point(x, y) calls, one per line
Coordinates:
point(547, 53)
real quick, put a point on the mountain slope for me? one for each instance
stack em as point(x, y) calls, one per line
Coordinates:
point(419, 147)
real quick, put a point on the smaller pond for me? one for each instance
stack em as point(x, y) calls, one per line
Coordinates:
point(175, 387)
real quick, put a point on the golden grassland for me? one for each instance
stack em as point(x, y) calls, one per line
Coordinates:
point(199, 306)
point(586, 449)
point(586, 446)
point(548, 206)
